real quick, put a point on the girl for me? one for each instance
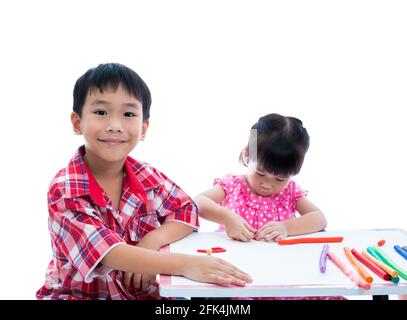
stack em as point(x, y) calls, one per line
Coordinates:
point(262, 204)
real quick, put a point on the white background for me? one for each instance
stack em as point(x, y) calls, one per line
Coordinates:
point(213, 68)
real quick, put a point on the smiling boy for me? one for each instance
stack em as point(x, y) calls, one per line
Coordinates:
point(109, 214)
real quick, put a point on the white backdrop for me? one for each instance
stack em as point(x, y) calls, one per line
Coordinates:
point(213, 68)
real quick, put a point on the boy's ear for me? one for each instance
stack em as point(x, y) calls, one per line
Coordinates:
point(76, 121)
point(144, 128)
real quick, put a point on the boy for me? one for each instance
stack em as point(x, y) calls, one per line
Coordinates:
point(109, 214)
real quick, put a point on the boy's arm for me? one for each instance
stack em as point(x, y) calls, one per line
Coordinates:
point(176, 208)
point(170, 231)
point(132, 259)
point(311, 220)
point(128, 258)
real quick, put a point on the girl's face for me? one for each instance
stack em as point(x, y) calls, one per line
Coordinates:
point(265, 183)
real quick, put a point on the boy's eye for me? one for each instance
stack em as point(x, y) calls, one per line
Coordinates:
point(129, 114)
point(101, 113)
point(260, 174)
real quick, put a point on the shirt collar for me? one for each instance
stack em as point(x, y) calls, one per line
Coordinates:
point(82, 182)
point(131, 180)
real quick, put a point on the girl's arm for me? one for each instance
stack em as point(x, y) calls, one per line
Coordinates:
point(236, 227)
point(209, 208)
point(132, 259)
point(312, 219)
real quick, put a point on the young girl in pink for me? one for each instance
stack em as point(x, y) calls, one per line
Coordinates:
point(263, 204)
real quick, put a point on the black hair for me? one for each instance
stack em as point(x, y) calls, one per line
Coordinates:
point(108, 77)
point(282, 143)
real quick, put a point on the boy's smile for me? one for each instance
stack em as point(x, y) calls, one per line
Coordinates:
point(112, 125)
point(113, 141)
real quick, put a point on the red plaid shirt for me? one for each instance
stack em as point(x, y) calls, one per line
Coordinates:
point(84, 227)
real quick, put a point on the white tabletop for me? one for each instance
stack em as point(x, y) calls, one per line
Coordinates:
point(286, 270)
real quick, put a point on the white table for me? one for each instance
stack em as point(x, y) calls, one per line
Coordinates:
point(286, 270)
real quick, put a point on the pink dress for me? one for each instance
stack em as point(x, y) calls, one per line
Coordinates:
point(258, 210)
point(255, 209)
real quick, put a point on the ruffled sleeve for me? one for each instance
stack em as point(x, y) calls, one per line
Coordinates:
point(228, 183)
point(296, 191)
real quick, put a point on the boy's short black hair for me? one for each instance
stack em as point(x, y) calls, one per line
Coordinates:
point(108, 76)
point(281, 144)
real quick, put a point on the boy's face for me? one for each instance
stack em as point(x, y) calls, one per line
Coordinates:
point(111, 123)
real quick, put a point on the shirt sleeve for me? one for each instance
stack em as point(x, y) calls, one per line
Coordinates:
point(228, 184)
point(173, 204)
point(297, 192)
point(80, 237)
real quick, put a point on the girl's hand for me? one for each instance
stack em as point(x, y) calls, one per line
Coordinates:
point(214, 270)
point(272, 231)
point(237, 228)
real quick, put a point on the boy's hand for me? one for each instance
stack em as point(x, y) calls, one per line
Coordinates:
point(214, 270)
point(237, 228)
point(272, 231)
point(141, 281)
